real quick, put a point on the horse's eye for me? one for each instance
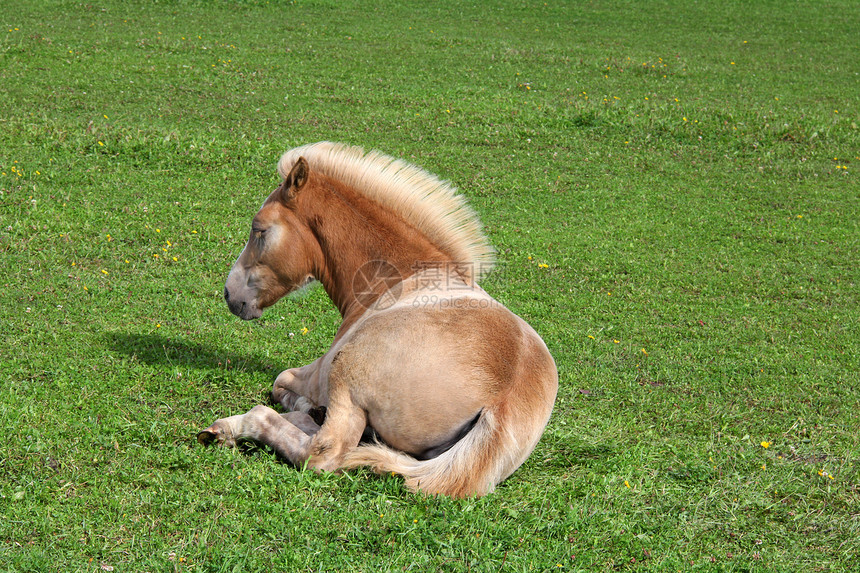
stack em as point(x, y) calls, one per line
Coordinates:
point(258, 233)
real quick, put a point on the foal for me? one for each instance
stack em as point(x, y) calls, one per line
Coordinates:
point(456, 388)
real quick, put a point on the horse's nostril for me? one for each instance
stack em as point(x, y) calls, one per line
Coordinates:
point(226, 294)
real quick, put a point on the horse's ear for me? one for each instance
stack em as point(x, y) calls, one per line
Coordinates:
point(295, 181)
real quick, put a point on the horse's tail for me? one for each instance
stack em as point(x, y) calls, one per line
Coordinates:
point(500, 441)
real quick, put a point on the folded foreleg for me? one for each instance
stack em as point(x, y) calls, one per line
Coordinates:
point(294, 435)
point(300, 389)
point(265, 426)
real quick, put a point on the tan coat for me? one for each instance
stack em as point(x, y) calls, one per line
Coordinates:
point(456, 389)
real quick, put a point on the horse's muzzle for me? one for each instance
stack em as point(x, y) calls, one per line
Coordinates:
point(241, 308)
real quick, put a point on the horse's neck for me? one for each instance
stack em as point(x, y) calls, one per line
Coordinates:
point(364, 248)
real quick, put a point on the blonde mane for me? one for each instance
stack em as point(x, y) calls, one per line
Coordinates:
point(432, 206)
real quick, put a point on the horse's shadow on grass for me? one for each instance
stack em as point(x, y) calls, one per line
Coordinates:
point(160, 350)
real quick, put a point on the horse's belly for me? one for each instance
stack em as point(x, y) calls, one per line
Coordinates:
point(423, 375)
point(418, 416)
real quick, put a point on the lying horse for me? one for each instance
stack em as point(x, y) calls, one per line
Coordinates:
point(455, 389)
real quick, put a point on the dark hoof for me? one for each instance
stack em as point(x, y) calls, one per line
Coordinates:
point(207, 437)
point(218, 433)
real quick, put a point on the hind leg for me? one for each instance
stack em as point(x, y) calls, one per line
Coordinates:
point(340, 434)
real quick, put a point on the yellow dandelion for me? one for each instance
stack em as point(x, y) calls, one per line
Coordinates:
point(104, 272)
point(626, 483)
point(591, 337)
point(543, 266)
point(304, 330)
point(175, 259)
point(100, 143)
point(765, 445)
point(645, 352)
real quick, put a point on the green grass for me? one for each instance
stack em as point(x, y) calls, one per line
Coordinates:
point(672, 189)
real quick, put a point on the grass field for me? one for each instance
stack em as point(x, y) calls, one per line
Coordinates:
point(672, 190)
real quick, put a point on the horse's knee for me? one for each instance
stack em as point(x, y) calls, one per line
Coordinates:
point(284, 391)
point(283, 385)
point(290, 391)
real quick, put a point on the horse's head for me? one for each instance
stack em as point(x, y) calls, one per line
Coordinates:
point(278, 256)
